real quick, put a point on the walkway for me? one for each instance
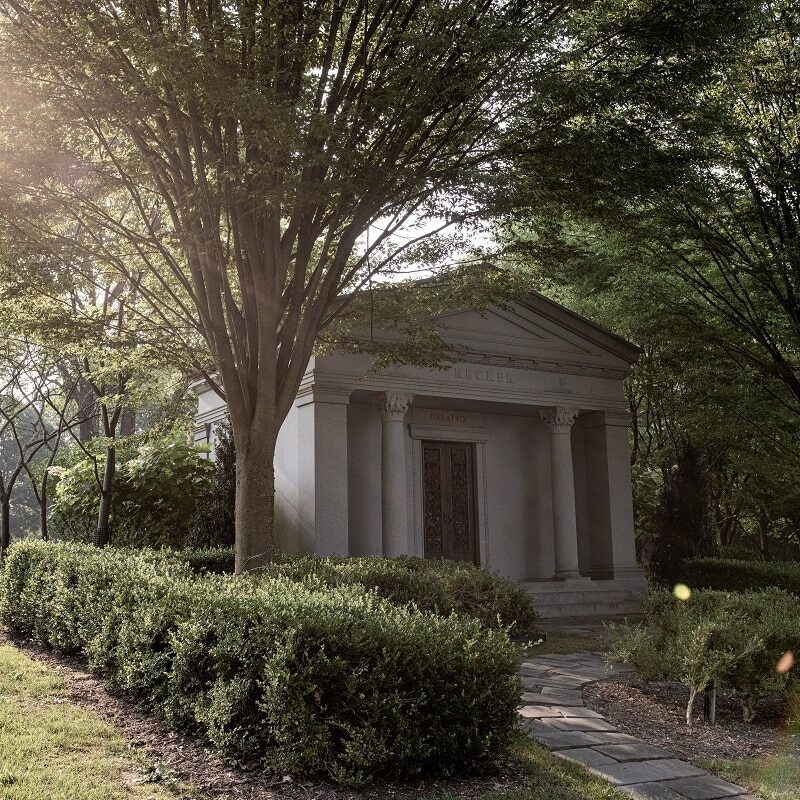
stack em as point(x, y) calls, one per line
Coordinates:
point(555, 715)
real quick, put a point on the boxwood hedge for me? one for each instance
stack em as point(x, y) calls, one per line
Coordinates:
point(443, 587)
point(306, 676)
point(727, 574)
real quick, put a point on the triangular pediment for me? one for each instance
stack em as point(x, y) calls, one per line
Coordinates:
point(535, 330)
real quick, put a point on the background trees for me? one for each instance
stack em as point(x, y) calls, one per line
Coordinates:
point(682, 233)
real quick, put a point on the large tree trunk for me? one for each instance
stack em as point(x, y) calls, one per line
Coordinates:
point(255, 499)
point(5, 523)
point(102, 534)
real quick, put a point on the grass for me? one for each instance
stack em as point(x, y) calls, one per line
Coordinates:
point(768, 777)
point(50, 749)
point(547, 777)
point(558, 642)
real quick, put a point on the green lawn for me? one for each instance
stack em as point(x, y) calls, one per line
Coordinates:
point(50, 749)
point(768, 777)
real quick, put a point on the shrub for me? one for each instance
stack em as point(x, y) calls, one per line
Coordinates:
point(442, 587)
point(310, 677)
point(206, 561)
point(736, 639)
point(738, 576)
point(158, 483)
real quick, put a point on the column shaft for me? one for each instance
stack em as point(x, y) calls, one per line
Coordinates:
point(394, 491)
point(565, 527)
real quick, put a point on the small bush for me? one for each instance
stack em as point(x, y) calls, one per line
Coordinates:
point(309, 677)
point(214, 521)
point(727, 574)
point(735, 639)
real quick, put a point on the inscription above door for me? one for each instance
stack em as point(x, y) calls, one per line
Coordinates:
point(448, 481)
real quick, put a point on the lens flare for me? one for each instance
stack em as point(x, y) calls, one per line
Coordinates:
point(785, 662)
point(682, 591)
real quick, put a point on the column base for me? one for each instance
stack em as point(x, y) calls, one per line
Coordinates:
point(633, 577)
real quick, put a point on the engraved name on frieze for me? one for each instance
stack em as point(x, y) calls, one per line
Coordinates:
point(483, 375)
point(446, 418)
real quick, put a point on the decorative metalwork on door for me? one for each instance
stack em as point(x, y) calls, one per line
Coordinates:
point(448, 481)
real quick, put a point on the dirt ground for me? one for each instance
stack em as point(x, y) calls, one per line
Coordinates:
point(655, 714)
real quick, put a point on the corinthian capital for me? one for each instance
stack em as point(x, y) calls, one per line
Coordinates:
point(393, 406)
point(559, 419)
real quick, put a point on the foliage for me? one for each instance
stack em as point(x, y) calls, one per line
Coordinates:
point(442, 587)
point(309, 678)
point(214, 521)
point(735, 575)
point(159, 482)
point(256, 148)
point(206, 561)
point(672, 217)
point(736, 639)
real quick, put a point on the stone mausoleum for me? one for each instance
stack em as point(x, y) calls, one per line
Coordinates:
point(513, 456)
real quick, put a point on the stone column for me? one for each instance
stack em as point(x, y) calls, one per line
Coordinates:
point(394, 491)
point(612, 512)
point(322, 471)
point(565, 530)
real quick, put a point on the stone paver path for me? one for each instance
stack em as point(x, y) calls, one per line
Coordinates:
point(553, 712)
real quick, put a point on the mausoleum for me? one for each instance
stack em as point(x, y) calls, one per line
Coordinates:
point(514, 455)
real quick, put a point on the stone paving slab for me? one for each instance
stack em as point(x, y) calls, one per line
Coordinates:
point(706, 788)
point(555, 716)
point(633, 752)
point(588, 756)
point(659, 769)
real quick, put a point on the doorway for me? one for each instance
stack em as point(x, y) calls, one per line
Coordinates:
point(449, 503)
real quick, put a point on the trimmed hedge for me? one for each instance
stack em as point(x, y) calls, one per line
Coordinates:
point(442, 587)
point(727, 574)
point(736, 638)
point(308, 677)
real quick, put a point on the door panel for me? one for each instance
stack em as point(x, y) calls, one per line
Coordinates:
point(448, 481)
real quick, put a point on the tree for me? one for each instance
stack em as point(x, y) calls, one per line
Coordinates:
point(256, 144)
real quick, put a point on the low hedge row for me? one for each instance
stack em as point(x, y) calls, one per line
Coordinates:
point(744, 640)
point(728, 574)
point(442, 587)
point(308, 677)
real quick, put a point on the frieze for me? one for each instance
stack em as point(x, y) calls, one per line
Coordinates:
point(484, 375)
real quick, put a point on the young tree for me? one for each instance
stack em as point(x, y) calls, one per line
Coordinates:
point(34, 416)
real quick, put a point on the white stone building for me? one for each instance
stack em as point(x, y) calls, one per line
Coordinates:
point(515, 457)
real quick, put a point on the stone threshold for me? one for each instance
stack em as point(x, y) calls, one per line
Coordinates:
point(554, 714)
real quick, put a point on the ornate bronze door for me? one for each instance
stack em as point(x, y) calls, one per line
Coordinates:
point(448, 481)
